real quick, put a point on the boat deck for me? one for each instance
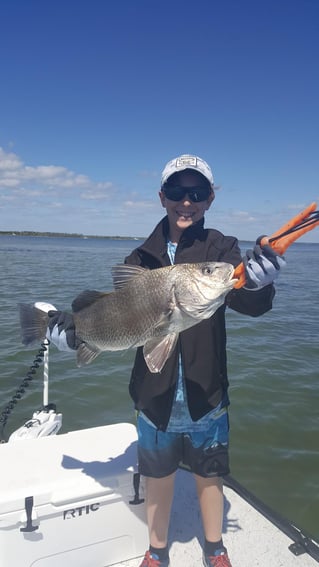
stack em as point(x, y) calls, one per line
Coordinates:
point(251, 539)
point(50, 484)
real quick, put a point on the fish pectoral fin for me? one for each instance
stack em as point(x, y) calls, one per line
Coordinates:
point(156, 351)
point(86, 354)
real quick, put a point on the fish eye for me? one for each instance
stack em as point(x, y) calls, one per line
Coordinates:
point(207, 271)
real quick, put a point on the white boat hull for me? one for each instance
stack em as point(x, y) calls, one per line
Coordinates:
point(85, 509)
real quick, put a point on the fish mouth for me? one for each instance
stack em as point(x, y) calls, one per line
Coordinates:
point(232, 280)
point(229, 284)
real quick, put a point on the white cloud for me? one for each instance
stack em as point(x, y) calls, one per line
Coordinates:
point(139, 204)
point(30, 194)
point(297, 206)
point(9, 161)
point(8, 182)
point(244, 216)
point(146, 173)
point(94, 196)
point(43, 172)
point(7, 198)
point(15, 174)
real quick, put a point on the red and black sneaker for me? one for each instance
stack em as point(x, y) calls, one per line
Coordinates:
point(219, 560)
point(152, 560)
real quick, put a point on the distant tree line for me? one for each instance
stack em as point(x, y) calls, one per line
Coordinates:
point(63, 234)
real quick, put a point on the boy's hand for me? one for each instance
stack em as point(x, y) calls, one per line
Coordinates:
point(262, 266)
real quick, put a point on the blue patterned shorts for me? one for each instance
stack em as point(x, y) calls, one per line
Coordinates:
point(205, 453)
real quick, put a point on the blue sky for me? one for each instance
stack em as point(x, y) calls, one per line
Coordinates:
point(96, 96)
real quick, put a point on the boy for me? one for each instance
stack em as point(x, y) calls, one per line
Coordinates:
point(182, 419)
point(182, 412)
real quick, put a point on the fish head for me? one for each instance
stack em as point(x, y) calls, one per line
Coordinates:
point(201, 288)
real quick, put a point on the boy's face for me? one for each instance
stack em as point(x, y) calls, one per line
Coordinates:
point(184, 213)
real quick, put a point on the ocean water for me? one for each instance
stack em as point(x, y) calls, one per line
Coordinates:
point(273, 364)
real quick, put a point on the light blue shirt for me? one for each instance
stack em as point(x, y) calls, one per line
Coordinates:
point(180, 419)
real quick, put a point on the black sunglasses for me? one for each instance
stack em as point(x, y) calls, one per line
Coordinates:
point(195, 194)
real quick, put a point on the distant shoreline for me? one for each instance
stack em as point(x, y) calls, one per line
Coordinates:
point(65, 235)
point(87, 236)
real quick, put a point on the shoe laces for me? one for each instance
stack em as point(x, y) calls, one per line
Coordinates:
point(219, 560)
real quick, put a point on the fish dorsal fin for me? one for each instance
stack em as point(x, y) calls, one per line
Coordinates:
point(123, 273)
point(86, 298)
point(156, 351)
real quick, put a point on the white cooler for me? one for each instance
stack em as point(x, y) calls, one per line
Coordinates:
point(72, 500)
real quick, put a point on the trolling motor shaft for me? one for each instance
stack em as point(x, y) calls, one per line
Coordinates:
point(46, 421)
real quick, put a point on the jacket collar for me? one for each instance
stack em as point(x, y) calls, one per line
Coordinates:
point(156, 243)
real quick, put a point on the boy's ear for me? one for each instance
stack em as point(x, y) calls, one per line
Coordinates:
point(210, 200)
point(162, 197)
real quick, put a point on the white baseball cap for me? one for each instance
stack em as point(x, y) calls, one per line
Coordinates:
point(187, 161)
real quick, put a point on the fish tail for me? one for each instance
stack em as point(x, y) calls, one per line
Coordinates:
point(33, 322)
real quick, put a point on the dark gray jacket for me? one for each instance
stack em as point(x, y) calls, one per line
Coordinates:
point(202, 347)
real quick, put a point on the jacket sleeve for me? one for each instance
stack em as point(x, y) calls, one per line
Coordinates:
point(250, 302)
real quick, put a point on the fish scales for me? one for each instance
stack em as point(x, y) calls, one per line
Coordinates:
point(147, 307)
point(129, 316)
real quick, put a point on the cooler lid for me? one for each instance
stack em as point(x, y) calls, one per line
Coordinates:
point(63, 468)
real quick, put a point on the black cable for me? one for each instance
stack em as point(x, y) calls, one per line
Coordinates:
point(22, 388)
point(313, 218)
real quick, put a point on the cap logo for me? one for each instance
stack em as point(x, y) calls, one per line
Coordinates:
point(186, 160)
